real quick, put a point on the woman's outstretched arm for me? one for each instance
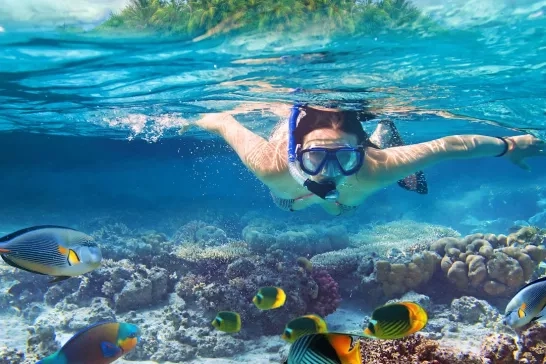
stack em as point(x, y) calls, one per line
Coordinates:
point(389, 165)
point(260, 156)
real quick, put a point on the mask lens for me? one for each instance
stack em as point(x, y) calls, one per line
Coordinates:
point(348, 159)
point(312, 161)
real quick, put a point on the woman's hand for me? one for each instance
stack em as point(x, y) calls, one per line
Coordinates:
point(522, 147)
point(211, 122)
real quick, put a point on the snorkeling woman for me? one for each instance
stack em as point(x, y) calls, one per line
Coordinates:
point(321, 156)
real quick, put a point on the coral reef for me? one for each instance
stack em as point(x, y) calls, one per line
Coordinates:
point(483, 265)
point(498, 349)
point(399, 278)
point(172, 288)
point(533, 344)
point(502, 348)
point(124, 243)
point(491, 265)
point(11, 356)
point(400, 237)
point(306, 240)
point(232, 286)
point(328, 298)
point(412, 349)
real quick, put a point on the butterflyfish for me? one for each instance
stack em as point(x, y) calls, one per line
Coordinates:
point(227, 321)
point(325, 348)
point(101, 343)
point(269, 298)
point(304, 325)
point(51, 250)
point(396, 320)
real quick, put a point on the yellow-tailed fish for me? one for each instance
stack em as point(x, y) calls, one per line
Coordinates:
point(304, 325)
point(269, 298)
point(325, 348)
point(227, 321)
point(305, 264)
point(396, 320)
point(101, 343)
point(51, 250)
point(527, 305)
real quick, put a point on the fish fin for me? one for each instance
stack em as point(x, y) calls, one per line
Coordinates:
point(415, 182)
point(55, 358)
point(387, 136)
point(4, 251)
point(15, 265)
point(109, 350)
point(58, 279)
point(32, 228)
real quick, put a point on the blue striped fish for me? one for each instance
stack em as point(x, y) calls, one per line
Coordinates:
point(527, 305)
point(325, 348)
point(51, 250)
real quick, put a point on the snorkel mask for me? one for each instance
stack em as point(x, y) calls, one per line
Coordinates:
point(329, 162)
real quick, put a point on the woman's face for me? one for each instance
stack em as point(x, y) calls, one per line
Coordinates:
point(329, 138)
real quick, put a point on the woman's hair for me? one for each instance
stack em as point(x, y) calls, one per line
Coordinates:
point(346, 121)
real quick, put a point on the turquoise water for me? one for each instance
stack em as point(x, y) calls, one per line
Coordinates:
point(89, 129)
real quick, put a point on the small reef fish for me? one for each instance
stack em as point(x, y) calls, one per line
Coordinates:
point(51, 250)
point(100, 343)
point(397, 320)
point(527, 305)
point(269, 298)
point(325, 348)
point(304, 325)
point(227, 321)
point(305, 264)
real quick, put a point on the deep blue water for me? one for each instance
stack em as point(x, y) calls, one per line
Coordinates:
point(89, 123)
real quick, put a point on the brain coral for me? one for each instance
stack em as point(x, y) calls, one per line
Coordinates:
point(478, 264)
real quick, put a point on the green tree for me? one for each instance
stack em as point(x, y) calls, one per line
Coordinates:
point(209, 17)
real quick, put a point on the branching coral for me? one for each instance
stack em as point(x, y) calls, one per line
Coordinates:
point(222, 254)
point(402, 235)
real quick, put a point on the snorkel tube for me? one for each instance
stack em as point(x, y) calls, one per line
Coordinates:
point(325, 190)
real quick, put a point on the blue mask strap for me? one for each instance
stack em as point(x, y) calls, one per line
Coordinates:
point(292, 123)
point(323, 190)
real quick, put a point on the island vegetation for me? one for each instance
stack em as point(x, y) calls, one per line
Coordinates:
point(194, 18)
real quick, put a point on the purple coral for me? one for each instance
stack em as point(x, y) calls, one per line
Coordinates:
point(328, 298)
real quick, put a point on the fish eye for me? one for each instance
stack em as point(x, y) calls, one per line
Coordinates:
point(132, 335)
point(287, 333)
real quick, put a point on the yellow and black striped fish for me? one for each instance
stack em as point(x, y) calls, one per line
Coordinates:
point(269, 298)
point(51, 250)
point(397, 320)
point(325, 348)
point(227, 321)
point(303, 325)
